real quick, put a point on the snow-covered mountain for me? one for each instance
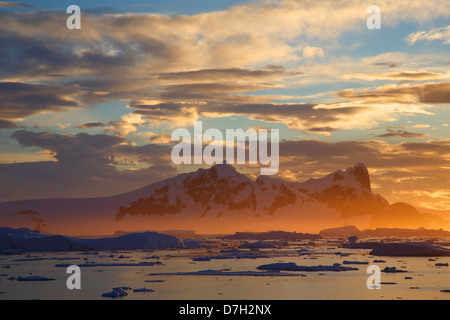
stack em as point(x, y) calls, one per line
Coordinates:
point(222, 200)
point(349, 192)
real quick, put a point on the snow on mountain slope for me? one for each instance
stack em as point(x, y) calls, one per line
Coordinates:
point(222, 191)
point(353, 178)
point(347, 192)
point(218, 200)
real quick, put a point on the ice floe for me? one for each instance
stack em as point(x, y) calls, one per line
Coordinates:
point(393, 270)
point(290, 266)
point(87, 265)
point(355, 262)
point(34, 278)
point(143, 290)
point(274, 273)
point(115, 294)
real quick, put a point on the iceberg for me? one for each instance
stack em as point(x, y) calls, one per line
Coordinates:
point(228, 273)
point(34, 278)
point(87, 265)
point(115, 294)
point(122, 288)
point(441, 264)
point(409, 249)
point(290, 266)
point(393, 270)
point(355, 262)
point(201, 259)
point(14, 241)
point(258, 245)
point(144, 240)
point(143, 290)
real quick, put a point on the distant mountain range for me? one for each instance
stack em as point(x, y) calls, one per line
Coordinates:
point(222, 200)
point(28, 240)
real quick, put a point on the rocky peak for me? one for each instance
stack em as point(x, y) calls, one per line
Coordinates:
point(361, 175)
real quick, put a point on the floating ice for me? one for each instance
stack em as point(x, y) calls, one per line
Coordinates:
point(34, 278)
point(293, 267)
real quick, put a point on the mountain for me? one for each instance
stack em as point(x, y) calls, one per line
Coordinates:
point(347, 231)
point(222, 200)
point(28, 240)
point(347, 192)
point(272, 235)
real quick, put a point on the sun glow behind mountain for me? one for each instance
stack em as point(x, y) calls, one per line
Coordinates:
point(221, 200)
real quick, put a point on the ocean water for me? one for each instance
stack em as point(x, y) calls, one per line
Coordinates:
point(427, 280)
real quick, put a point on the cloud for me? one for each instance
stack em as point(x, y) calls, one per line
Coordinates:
point(312, 52)
point(4, 4)
point(387, 64)
point(421, 126)
point(190, 66)
point(442, 34)
point(441, 147)
point(5, 124)
point(314, 118)
point(398, 76)
point(256, 34)
point(129, 123)
point(223, 74)
point(84, 166)
point(20, 100)
point(322, 130)
point(91, 125)
point(402, 134)
point(438, 92)
point(161, 139)
point(414, 168)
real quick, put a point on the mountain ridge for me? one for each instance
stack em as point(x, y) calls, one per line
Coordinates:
point(220, 199)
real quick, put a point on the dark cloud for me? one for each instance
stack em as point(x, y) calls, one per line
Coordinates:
point(222, 74)
point(64, 142)
point(434, 93)
point(211, 91)
point(5, 124)
point(425, 93)
point(435, 147)
point(402, 134)
point(4, 4)
point(387, 64)
point(294, 115)
point(91, 125)
point(84, 166)
point(25, 56)
point(414, 75)
point(322, 130)
point(316, 149)
point(108, 46)
point(305, 159)
point(19, 100)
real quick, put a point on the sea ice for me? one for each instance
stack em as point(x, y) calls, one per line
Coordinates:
point(227, 273)
point(143, 290)
point(355, 262)
point(34, 278)
point(293, 267)
point(115, 294)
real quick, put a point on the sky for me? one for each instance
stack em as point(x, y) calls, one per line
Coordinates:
point(89, 112)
